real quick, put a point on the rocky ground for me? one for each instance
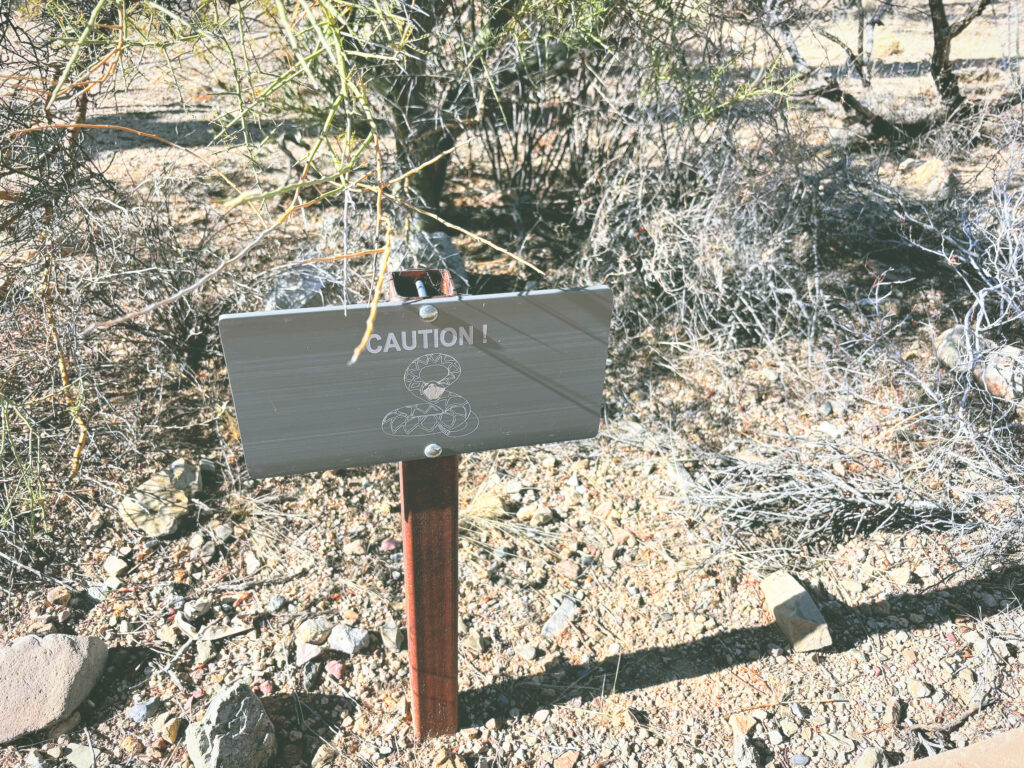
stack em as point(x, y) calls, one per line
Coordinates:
point(592, 632)
point(603, 622)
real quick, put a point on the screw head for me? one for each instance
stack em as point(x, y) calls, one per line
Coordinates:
point(428, 312)
point(432, 451)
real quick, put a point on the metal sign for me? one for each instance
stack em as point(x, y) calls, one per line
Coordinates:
point(479, 373)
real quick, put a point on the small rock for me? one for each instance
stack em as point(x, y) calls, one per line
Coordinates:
point(306, 652)
point(208, 552)
point(356, 547)
point(222, 533)
point(334, 669)
point(535, 514)
point(567, 759)
point(251, 563)
point(789, 728)
point(871, 758)
point(392, 638)
point(488, 505)
point(314, 631)
point(903, 576)
point(741, 723)
point(168, 725)
point(477, 642)
point(560, 619)
point(570, 569)
point(44, 680)
point(800, 760)
point(196, 609)
point(795, 613)
point(348, 640)
point(235, 732)
point(526, 652)
point(158, 505)
point(919, 689)
point(115, 566)
point(799, 711)
point(541, 715)
point(81, 756)
point(390, 544)
point(276, 603)
point(58, 596)
point(142, 711)
point(775, 737)
point(204, 651)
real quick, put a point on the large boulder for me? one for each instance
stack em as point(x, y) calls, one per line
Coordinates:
point(44, 679)
point(234, 733)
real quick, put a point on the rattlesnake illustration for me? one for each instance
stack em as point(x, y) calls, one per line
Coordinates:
point(442, 412)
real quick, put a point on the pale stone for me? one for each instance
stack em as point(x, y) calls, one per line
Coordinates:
point(348, 640)
point(314, 631)
point(43, 680)
point(931, 180)
point(999, 369)
point(487, 505)
point(795, 612)
point(115, 566)
point(871, 758)
point(158, 505)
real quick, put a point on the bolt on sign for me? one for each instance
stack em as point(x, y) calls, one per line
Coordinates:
point(441, 375)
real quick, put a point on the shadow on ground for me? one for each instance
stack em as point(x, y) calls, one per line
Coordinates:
point(849, 625)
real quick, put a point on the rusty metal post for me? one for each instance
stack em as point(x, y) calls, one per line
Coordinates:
point(430, 528)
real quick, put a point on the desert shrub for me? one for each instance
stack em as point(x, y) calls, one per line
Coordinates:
point(696, 250)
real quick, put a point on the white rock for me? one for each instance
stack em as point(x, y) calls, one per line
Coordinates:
point(314, 631)
point(919, 689)
point(348, 640)
point(795, 612)
point(871, 758)
point(115, 566)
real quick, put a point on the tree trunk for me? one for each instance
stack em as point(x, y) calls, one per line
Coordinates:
point(417, 117)
point(946, 82)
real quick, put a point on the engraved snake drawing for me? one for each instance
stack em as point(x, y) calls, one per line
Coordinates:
point(442, 411)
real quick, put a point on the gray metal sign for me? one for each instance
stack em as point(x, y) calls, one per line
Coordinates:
point(486, 372)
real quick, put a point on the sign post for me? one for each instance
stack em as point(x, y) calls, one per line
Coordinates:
point(441, 375)
point(430, 546)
